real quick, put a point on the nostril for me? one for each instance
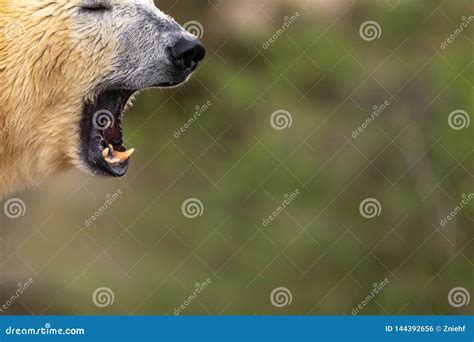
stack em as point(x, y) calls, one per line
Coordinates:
point(187, 52)
point(200, 54)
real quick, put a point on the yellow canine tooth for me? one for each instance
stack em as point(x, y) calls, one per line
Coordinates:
point(123, 156)
point(117, 157)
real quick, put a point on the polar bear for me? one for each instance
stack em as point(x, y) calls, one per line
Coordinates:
point(68, 69)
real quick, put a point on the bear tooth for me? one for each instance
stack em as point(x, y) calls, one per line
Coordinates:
point(113, 161)
point(116, 156)
point(123, 156)
point(105, 153)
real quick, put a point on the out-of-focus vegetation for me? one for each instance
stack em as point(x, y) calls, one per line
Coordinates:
point(231, 159)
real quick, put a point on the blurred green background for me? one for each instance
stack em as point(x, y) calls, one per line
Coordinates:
point(320, 248)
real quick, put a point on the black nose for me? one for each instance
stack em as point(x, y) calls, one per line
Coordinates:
point(187, 52)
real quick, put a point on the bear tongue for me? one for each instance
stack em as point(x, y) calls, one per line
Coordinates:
point(113, 157)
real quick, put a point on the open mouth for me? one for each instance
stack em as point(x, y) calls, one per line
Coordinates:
point(102, 141)
point(103, 148)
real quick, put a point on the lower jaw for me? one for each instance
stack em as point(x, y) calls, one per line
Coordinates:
point(114, 171)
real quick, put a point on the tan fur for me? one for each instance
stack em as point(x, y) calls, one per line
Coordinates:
point(44, 78)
